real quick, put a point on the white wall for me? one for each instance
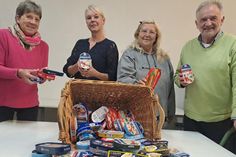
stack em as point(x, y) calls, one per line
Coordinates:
point(63, 24)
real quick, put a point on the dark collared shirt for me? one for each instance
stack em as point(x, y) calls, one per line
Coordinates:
point(204, 45)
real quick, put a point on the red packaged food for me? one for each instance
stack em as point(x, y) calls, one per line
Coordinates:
point(43, 75)
point(111, 116)
point(152, 77)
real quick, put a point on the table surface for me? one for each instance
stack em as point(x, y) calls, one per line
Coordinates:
point(18, 139)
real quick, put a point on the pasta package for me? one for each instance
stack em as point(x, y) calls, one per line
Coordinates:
point(152, 77)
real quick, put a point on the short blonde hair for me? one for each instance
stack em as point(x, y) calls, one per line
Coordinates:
point(94, 8)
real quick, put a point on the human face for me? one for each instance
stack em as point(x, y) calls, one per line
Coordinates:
point(29, 23)
point(147, 36)
point(94, 21)
point(209, 21)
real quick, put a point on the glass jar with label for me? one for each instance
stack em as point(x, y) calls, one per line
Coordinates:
point(85, 61)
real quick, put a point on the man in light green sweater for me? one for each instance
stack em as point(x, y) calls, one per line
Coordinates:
point(210, 100)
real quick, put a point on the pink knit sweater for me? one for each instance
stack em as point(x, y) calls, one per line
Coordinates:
point(13, 91)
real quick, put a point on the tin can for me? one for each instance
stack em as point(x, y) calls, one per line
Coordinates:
point(85, 61)
point(110, 134)
point(100, 148)
point(126, 145)
point(99, 115)
point(187, 74)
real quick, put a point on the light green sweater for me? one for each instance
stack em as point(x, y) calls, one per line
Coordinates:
point(212, 95)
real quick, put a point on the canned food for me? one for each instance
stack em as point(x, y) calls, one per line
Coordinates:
point(187, 74)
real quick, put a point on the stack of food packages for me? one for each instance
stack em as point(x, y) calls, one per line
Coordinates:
point(111, 132)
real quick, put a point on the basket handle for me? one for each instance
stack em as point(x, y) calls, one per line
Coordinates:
point(63, 113)
point(161, 117)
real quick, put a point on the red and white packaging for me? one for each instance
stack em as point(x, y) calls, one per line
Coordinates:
point(187, 74)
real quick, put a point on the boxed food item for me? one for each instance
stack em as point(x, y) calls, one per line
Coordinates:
point(52, 148)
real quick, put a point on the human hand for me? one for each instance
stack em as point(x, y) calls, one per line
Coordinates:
point(91, 72)
point(84, 65)
point(80, 67)
point(28, 75)
point(142, 82)
point(46, 74)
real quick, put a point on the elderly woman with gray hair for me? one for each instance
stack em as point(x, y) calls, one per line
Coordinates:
point(143, 54)
point(22, 53)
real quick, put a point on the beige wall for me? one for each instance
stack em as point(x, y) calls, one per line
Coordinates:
point(63, 24)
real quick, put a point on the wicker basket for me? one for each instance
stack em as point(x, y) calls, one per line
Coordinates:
point(138, 99)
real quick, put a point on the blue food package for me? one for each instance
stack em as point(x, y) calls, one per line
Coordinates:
point(53, 148)
point(37, 80)
point(160, 144)
point(37, 154)
point(180, 154)
point(100, 148)
point(115, 153)
point(126, 144)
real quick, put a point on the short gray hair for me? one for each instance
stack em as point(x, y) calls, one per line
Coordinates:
point(28, 6)
point(210, 2)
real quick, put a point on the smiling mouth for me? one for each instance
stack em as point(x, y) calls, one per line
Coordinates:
point(209, 29)
point(93, 26)
point(30, 27)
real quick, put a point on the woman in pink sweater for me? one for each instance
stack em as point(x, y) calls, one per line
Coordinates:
point(22, 52)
